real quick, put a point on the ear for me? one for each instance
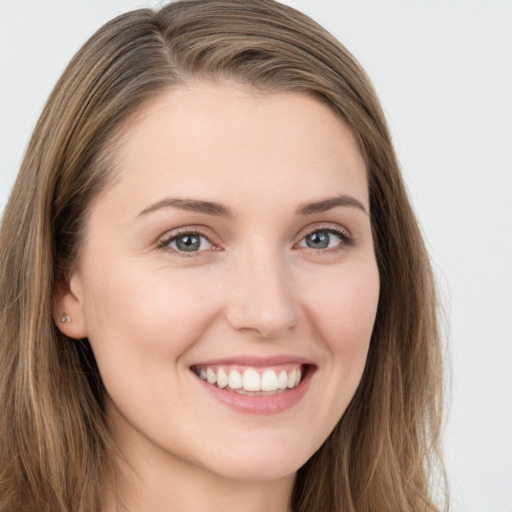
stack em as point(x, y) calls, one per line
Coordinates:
point(68, 305)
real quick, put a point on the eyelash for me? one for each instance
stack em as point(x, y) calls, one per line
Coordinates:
point(346, 240)
point(343, 235)
point(180, 233)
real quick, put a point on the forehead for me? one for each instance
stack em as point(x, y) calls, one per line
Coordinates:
point(222, 138)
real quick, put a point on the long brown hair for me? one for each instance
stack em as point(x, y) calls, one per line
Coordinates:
point(54, 441)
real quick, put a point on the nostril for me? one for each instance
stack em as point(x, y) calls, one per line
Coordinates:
point(267, 322)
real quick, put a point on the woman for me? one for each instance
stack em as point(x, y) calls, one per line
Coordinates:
point(214, 292)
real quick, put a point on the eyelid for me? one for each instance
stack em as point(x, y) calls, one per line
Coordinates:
point(318, 226)
point(340, 231)
point(164, 240)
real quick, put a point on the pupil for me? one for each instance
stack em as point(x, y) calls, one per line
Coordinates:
point(318, 240)
point(188, 243)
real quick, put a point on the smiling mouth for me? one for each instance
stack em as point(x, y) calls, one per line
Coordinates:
point(252, 381)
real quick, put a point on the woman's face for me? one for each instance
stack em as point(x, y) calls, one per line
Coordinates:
point(227, 281)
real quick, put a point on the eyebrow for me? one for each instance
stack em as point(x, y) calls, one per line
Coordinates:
point(220, 210)
point(192, 205)
point(330, 203)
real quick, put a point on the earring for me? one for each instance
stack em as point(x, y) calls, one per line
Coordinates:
point(65, 318)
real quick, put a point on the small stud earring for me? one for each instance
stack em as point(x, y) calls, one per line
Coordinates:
point(65, 318)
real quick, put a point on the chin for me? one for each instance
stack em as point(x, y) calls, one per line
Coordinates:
point(254, 464)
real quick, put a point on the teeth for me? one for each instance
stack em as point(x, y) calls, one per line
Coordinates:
point(251, 380)
point(292, 377)
point(235, 379)
point(210, 376)
point(283, 380)
point(222, 379)
point(269, 381)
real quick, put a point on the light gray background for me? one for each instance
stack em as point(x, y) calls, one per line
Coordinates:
point(443, 71)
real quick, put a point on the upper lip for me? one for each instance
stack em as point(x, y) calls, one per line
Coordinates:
point(256, 361)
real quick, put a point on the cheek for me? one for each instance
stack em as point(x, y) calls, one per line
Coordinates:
point(348, 299)
point(141, 316)
point(140, 325)
point(344, 311)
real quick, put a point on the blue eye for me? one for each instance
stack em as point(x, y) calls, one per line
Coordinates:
point(188, 242)
point(322, 239)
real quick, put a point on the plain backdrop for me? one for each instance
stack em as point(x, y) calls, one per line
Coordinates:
point(443, 70)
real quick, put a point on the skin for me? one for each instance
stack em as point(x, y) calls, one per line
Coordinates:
point(254, 288)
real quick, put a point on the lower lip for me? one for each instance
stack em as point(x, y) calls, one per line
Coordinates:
point(259, 404)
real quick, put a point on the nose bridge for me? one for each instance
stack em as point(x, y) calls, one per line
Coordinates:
point(262, 297)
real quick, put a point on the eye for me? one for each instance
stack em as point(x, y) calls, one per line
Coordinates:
point(187, 242)
point(322, 239)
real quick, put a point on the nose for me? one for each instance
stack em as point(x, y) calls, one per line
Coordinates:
point(261, 297)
